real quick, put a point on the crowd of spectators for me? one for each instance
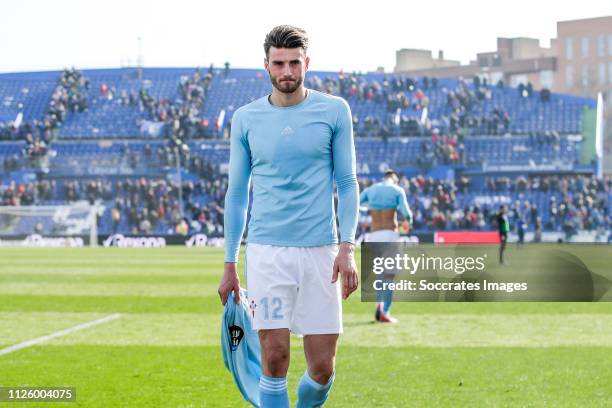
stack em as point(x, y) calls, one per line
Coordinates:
point(461, 113)
point(580, 203)
point(575, 203)
point(145, 203)
point(140, 205)
point(34, 193)
point(406, 101)
point(70, 95)
point(182, 117)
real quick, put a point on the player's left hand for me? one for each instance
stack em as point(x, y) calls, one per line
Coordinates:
point(347, 268)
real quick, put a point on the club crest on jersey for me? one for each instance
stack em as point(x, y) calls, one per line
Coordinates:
point(236, 335)
point(287, 131)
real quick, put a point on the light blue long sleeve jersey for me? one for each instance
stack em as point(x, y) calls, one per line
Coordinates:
point(386, 195)
point(292, 155)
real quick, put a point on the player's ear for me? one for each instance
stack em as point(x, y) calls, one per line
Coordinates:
point(307, 62)
point(266, 63)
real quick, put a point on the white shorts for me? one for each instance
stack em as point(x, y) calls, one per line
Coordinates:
point(382, 236)
point(290, 287)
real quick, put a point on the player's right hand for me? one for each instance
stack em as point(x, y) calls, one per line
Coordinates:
point(230, 282)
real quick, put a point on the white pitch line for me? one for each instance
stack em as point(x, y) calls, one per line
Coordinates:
point(52, 336)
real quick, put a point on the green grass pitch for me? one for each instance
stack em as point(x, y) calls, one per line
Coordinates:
point(164, 350)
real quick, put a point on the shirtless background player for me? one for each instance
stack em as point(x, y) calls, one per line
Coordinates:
point(384, 200)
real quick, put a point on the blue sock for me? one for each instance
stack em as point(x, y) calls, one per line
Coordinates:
point(387, 295)
point(388, 298)
point(312, 394)
point(273, 392)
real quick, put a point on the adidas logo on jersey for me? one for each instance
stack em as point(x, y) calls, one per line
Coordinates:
point(287, 131)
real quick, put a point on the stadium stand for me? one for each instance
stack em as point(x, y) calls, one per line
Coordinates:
point(115, 135)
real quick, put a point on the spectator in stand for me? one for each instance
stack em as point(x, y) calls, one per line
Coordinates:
point(116, 217)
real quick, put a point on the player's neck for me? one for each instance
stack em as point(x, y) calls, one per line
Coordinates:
point(287, 99)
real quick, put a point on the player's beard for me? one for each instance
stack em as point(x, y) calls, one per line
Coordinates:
point(286, 87)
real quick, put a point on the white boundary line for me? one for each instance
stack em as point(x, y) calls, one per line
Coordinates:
point(52, 336)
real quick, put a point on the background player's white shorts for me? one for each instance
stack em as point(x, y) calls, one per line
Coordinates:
point(385, 236)
point(382, 236)
point(290, 287)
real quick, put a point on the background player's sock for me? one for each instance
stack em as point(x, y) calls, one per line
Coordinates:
point(273, 392)
point(311, 393)
point(387, 299)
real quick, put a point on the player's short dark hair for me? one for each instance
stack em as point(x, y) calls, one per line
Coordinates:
point(391, 173)
point(286, 36)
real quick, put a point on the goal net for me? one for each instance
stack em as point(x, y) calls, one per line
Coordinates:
point(77, 220)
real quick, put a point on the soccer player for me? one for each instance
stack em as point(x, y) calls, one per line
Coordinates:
point(383, 201)
point(292, 145)
point(503, 227)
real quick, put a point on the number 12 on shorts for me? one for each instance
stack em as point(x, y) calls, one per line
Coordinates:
point(276, 305)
